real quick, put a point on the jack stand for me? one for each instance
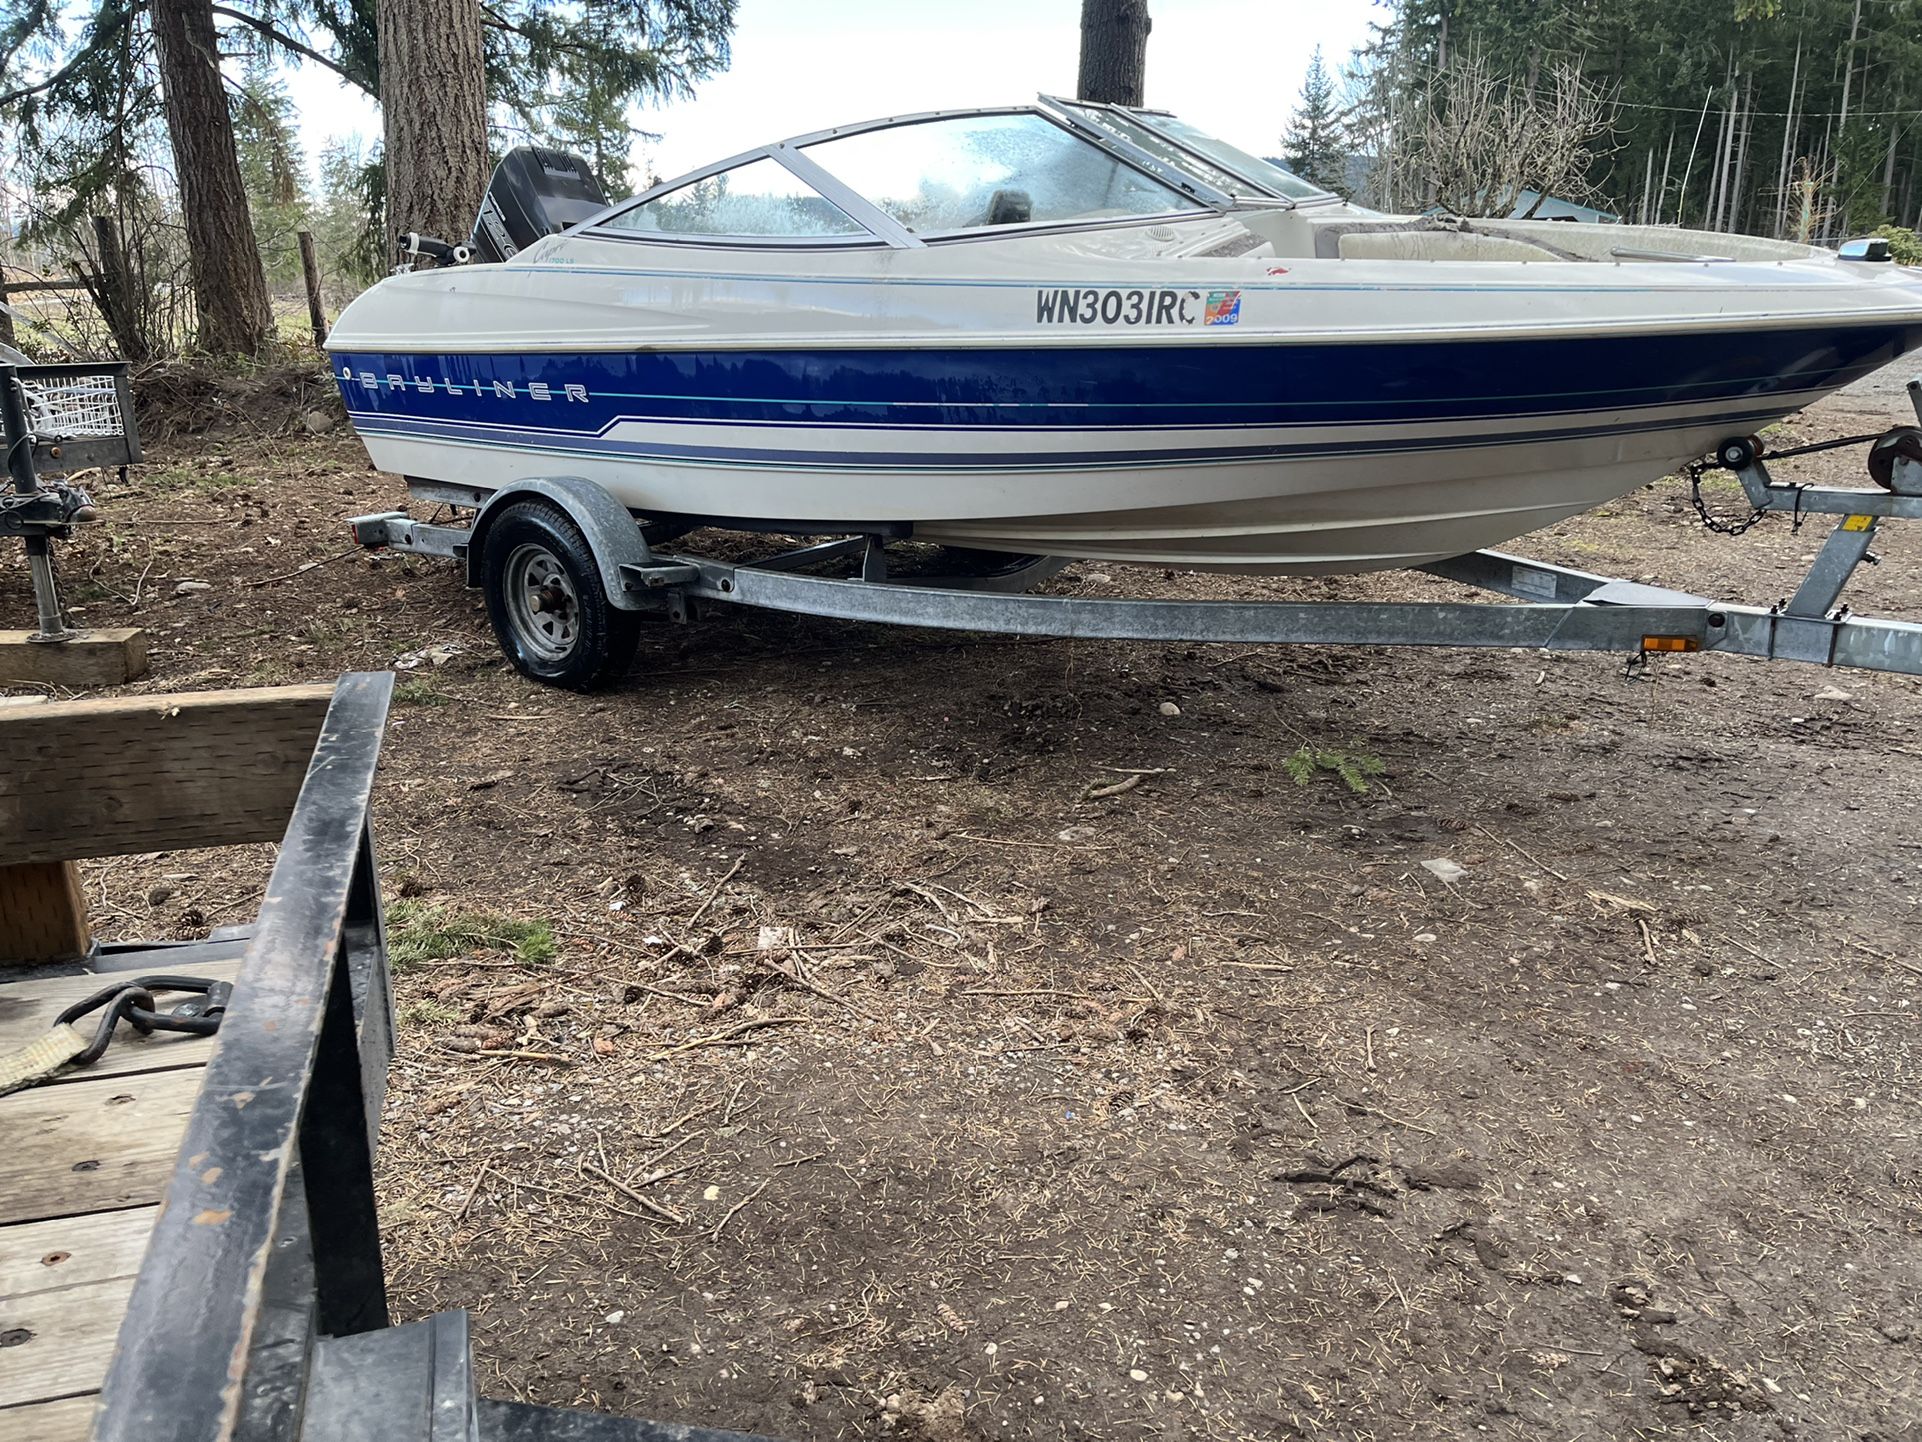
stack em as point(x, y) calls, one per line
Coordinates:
point(53, 625)
point(37, 514)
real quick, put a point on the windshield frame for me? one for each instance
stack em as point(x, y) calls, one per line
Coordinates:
point(884, 229)
point(1145, 118)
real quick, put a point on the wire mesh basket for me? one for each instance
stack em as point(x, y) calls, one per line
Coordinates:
point(61, 408)
point(79, 415)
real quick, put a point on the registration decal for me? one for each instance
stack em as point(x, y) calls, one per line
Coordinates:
point(1088, 306)
point(1224, 308)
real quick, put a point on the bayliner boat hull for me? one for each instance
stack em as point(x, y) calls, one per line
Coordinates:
point(1032, 329)
point(1308, 458)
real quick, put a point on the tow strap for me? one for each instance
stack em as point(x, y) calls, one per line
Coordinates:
point(66, 1045)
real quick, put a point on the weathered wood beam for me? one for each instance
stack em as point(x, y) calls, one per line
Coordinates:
point(133, 774)
point(108, 656)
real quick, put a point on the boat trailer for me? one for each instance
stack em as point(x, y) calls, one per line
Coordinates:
point(566, 618)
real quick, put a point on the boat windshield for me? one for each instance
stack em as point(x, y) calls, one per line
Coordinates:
point(1176, 143)
point(964, 172)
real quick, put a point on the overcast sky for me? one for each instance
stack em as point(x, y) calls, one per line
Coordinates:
point(1233, 67)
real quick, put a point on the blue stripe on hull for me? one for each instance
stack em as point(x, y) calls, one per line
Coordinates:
point(1117, 387)
point(602, 448)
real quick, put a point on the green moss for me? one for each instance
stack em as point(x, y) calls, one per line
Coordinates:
point(418, 932)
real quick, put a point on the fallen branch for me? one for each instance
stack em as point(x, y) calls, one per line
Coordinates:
point(721, 1225)
point(702, 911)
point(302, 570)
point(730, 1037)
point(665, 1213)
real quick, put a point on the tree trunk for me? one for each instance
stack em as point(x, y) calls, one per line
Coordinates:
point(114, 293)
point(310, 272)
point(1114, 51)
point(230, 289)
point(7, 337)
point(433, 104)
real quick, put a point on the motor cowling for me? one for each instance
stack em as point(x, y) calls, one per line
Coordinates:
point(535, 192)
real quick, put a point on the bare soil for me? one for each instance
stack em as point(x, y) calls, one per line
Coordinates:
point(889, 1084)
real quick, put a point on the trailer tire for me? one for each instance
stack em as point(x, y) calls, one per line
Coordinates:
point(549, 609)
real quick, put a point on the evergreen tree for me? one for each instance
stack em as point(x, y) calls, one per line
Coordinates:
point(272, 168)
point(92, 67)
point(1315, 145)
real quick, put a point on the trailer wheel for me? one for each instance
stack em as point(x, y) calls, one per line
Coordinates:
point(546, 601)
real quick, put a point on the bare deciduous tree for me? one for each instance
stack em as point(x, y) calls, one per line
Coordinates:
point(1483, 141)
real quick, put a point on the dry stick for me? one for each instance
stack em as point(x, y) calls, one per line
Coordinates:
point(844, 930)
point(473, 1191)
point(727, 1113)
point(730, 1036)
point(1037, 845)
point(940, 905)
point(1113, 788)
point(1519, 851)
point(821, 991)
point(303, 570)
point(1369, 1043)
point(667, 1214)
point(1648, 941)
point(721, 1225)
point(702, 910)
point(547, 1056)
point(655, 1161)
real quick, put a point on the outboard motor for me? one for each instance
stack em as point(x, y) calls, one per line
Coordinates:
point(535, 192)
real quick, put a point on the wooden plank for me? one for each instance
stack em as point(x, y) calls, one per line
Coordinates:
point(92, 1146)
point(73, 1251)
point(70, 1337)
point(154, 773)
point(68, 1420)
point(28, 1008)
point(108, 656)
point(64, 1283)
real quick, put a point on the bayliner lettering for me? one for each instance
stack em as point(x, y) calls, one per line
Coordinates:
point(497, 390)
point(1117, 307)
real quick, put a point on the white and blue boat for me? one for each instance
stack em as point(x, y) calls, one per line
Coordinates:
point(1088, 331)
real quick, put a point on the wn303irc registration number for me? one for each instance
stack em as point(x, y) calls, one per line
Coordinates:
point(1094, 306)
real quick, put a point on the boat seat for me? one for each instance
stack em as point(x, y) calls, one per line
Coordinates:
point(1428, 238)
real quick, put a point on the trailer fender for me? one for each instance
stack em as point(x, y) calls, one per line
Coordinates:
point(613, 535)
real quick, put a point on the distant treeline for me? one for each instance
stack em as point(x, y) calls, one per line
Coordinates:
point(1773, 117)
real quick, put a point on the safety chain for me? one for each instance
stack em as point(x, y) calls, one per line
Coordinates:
point(133, 1001)
point(1696, 469)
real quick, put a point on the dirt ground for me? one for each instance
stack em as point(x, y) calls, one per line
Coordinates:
point(885, 1082)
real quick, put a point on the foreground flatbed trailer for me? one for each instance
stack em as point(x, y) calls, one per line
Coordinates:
point(189, 1250)
point(567, 571)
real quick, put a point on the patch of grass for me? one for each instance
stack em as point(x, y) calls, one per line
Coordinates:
point(428, 1013)
point(418, 932)
point(419, 693)
point(1353, 767)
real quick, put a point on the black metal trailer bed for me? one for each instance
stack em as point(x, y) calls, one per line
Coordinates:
point(189, 1250)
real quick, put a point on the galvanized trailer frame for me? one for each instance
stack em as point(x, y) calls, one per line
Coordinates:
point(1560, 609)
